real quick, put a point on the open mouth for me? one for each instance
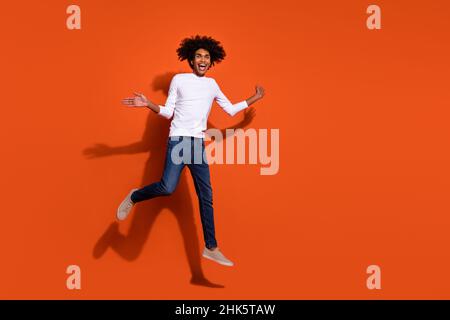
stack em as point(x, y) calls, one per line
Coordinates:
point(202, 67)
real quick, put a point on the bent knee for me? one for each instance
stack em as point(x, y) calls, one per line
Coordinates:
point(167, 189)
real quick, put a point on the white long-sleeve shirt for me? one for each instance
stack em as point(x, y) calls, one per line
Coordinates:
point(189, 102)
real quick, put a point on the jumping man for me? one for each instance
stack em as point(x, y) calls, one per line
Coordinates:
point(188, 104)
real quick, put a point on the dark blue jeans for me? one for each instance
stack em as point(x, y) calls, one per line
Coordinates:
point(190, 153)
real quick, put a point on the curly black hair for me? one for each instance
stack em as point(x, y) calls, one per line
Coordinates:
point(188, 46)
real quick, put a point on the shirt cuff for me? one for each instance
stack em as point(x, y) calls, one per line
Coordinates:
point(240, 106)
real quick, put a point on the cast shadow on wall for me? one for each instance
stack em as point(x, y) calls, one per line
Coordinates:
point(144, 214)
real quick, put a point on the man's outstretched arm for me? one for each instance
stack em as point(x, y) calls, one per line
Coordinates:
point(232, 109)
point(140, 100)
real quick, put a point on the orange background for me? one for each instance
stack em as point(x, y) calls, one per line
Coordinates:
point(363, 179)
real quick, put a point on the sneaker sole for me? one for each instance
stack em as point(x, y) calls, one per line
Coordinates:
point(219, 262)
point(118, 209)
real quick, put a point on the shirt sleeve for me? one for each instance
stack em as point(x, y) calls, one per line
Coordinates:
point(226, 105)
point(167, 110)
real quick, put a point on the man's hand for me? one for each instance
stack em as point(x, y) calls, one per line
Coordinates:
point(259, 92)
point(258, 95)
point(138, 101)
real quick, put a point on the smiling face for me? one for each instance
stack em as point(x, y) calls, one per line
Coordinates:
point(201, 62)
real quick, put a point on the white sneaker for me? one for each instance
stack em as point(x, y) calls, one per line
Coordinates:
point(125, 207)
point(216, 256)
